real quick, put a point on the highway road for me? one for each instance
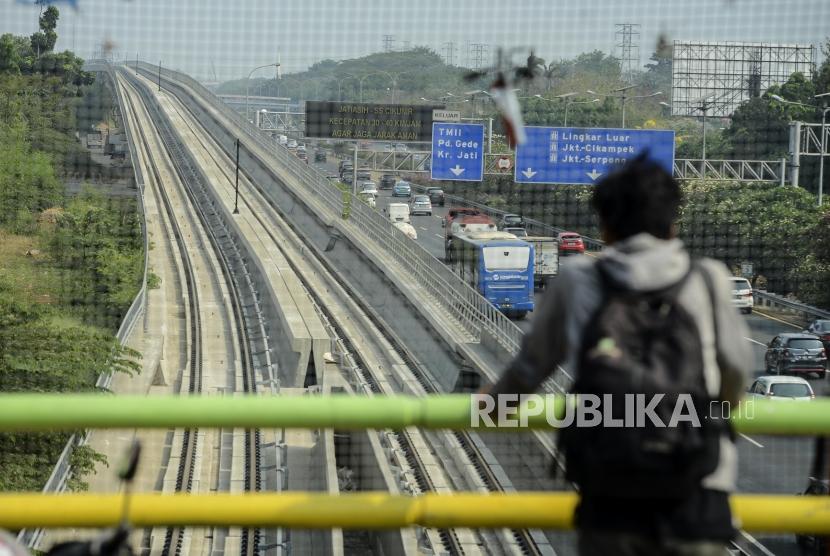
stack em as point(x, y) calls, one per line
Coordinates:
point(766, 463)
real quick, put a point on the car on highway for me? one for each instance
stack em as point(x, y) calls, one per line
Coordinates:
point(796, 352)
point(345, 164)
point(420, 204)
point(400, 148)
point(781, 388)
point(369, 198)
point(292, 144)
point(387, 181)
point(364, 174)
point(821, 328)
point(347, 178)
point(742, 294)
point(436, 195)
point(402, 189)
point(570, 242)
point(302, 155)
point(511, 221)
point(388, 147)
point(518, 232)
point(369, 187)
point(320, 156)
point(301, 147)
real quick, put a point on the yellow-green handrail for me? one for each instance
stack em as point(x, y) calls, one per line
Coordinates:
point(369, 510)
point(37, 412)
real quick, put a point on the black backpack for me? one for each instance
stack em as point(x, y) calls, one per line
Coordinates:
point(643, 343)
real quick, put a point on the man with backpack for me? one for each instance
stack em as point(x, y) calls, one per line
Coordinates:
point(644, 322)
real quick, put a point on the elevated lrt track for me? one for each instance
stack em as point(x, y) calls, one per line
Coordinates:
point(373, 359)
point(219, 350)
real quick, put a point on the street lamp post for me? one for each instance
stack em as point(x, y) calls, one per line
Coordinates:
point(623, 97)
point(568, 104)
point(248, 83)
point(340, 82)
point(379, 72)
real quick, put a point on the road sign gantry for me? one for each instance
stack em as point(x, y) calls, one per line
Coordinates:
point(582, 155)
point(457, 151)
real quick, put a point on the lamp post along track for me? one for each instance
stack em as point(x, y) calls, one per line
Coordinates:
point(250, 537)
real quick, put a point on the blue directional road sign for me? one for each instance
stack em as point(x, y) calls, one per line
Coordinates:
point(582, 156)
point(457, 151)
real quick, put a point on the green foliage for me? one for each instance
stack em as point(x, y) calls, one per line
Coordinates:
point(812, 275)
point(27, 179)
point(9, 56)
point(749, 222)
point(759, 131)
point(22, 457)
point(153, 280)
point(99, 241)
point(412, 74)
point(82, 461)
point(658, 72)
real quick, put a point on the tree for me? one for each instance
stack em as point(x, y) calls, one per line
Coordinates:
point(759, 131)
point(658, 72)
point(821, 78)
point(9, 56)
point(749, 222)
point(812, 275)
point(27, 178)
point(43, 41)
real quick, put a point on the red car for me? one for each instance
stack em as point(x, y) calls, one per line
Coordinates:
point(570, 242)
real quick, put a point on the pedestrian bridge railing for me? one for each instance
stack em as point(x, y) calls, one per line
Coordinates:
point(365, 510)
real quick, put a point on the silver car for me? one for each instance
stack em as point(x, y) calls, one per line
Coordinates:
point(421, 205)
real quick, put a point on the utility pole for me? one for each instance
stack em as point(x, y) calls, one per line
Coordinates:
point(388, 42)
point(236, 196)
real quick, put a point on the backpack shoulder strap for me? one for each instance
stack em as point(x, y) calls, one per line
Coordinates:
point(710, 290)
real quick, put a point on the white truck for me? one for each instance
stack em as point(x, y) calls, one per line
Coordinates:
point(399, 217)
point(546, 265)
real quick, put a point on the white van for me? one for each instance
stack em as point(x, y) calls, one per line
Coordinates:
point(398, 212)
point(283, 140)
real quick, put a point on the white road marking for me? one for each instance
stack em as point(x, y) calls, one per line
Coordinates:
point(755, 341)
point(758, 444)
point(439, 235)
point(424, 229)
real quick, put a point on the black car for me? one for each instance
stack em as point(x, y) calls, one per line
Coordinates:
point(796, 353)
point(320, 156)
point(388, 181)
point(512, 221)
point(347, 178)
point(436, 195)
point(821, 328)
point(364, 174)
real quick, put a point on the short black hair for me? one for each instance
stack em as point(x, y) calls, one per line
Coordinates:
point(638, 197)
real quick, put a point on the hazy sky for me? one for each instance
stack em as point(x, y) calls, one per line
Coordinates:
point(238, 35)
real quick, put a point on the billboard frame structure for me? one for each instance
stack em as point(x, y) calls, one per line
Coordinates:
point(726, 74)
